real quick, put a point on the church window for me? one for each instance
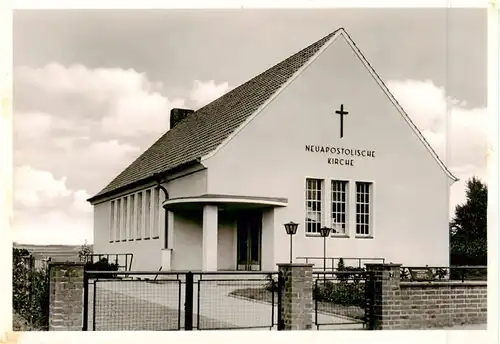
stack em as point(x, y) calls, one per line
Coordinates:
point(118, 219)
point(125, 219)
point(147, 214)
point(363, 211)
point(112, 223)
point(131, 226)
point(138, 227)
point(156, 203)
point(339, 206)
point(314, 199)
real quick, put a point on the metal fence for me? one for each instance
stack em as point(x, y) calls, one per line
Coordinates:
point(123, 260)
point(343, 300)
point(332, 263)
point(162, 300)
point(448, 273)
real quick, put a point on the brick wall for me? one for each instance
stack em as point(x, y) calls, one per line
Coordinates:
point(66, 296)
point(419, 305)
point(441, 304)
point(296, 302)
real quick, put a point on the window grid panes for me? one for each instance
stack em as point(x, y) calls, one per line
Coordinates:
point(313, 205)
point(362, 208)
point(339, 206)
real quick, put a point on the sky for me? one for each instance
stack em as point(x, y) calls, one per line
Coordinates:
point(93, 89)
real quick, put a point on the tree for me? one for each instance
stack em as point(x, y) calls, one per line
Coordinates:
point(468, 227)
point(84, 251)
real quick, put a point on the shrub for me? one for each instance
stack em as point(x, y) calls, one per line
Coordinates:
point(30, 297)
point(346, 290)
point(271, 283)
point(341, 293)
point(102, 265)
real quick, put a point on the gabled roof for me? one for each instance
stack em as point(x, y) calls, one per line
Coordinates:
point(205, 130)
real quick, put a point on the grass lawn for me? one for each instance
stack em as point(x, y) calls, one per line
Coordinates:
point(263, 295)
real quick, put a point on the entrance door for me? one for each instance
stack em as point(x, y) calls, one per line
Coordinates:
point(249, 235)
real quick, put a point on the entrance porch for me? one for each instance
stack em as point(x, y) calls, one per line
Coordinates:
point(220, 233)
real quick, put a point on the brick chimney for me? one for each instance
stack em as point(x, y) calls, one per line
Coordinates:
point(177, 115)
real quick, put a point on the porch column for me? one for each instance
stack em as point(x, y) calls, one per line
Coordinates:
point(209, 244)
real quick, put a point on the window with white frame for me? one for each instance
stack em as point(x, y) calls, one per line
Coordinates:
point(363, 205)
point(118, 219)
point(147, 213)
point(339, 206)
point(314, 199)
point(112, 222)
point(138, 227)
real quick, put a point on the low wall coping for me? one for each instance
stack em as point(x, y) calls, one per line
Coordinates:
point(294, 265)
point(66, 263)
point(418, 284)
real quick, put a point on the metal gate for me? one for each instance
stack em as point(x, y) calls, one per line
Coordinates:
point(344, 300)
point(160, 301)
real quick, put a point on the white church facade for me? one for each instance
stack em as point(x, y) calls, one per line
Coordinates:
point(317, 139)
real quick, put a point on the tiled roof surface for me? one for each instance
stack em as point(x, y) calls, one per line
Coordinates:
point(205, 129)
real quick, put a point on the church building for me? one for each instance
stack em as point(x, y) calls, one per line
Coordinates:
point(317, 139)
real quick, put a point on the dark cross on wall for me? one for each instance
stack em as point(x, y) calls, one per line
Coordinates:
point(342, 113)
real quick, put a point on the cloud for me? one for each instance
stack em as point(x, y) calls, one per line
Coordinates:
point(52, 227)
point(428, 106)
point(47, 211)
point(114, 102)
point(80, 203)
point(205, 92)
point(86, 124)
point(32, 187)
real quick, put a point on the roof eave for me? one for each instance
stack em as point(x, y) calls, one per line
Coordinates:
point(154, 177)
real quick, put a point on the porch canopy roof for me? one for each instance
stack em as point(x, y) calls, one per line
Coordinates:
point(225, 202)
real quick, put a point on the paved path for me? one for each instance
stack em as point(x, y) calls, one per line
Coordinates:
point(214, 303)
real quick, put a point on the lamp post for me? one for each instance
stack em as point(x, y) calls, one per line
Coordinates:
point(324, 231)
point(291, 229)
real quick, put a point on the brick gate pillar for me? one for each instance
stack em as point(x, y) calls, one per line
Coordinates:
point(66, 296)
point(296, 300)
point(386, 295)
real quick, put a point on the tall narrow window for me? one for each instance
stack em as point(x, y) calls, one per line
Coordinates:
point(363, 205)
point(156, 204)
point(125, 219)
point(147, 213)
point(138, 227)
point(339, 206)
point(313, 205)
point(131, 226)
point(118, 219)
point(112, 222)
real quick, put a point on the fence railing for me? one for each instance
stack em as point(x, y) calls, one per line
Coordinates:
point(123, 260)
point(439, 273)
point(125, 301)
point(332, 263)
